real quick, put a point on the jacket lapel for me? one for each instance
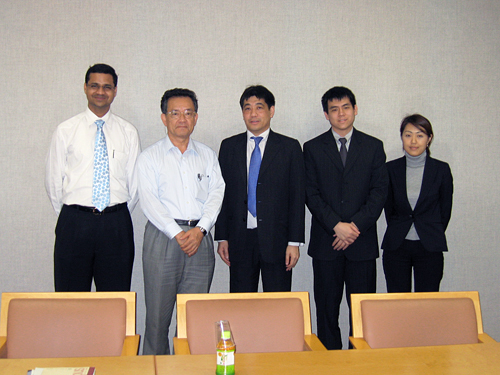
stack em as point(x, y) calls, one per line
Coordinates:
point(428, 178)
point(240, 154)
point(273, 146)
point(332, 150)
point(399, 176)
point(355, 147)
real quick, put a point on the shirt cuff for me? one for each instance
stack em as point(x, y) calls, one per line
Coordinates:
point(173, 230)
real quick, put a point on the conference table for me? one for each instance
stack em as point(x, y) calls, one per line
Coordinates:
point(439, 360)
point(471, 359)
point(133, 365)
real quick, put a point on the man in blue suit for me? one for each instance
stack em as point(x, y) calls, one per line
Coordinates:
point(346, 188)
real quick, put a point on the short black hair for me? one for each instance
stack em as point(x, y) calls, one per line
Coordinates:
point(174, 93)
point(104, 69)
point(260, 92)
point(338, 93)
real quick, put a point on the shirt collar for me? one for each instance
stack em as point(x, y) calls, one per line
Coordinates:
point(264, 135)
point(191, 147)
point(347, 136)
point(92, 117)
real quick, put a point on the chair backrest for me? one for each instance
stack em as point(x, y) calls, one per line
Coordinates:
point(261, 322)
point(416, 319)
point(84, 324)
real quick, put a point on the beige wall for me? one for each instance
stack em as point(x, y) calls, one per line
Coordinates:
point(439, 58)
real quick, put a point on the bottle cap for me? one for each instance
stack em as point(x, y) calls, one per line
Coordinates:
point(226, 335)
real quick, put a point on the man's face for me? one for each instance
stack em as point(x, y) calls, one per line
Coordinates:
point(180, 118)
point(257, 115)
point(341, 115)
point(100, 91)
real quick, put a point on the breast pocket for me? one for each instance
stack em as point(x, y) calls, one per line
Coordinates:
point(117, 162)
point(202, 187)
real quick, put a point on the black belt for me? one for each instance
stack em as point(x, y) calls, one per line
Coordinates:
point(189, 223)
point(95, 211)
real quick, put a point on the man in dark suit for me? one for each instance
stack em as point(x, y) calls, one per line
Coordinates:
point(346, 187)
point(261, 223)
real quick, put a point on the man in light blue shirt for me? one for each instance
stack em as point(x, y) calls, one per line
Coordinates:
point(181, 190)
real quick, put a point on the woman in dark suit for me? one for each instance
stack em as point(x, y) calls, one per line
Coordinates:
point(417, 211)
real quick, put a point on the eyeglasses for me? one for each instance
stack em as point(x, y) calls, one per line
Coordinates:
point(188, 114)
point(96, 87)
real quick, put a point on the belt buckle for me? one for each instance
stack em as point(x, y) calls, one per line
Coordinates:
point(189, 222)
point(96, 212)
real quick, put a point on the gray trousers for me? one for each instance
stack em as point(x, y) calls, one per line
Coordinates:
point(168, 271)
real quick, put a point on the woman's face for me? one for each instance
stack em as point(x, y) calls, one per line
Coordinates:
point(415, 141)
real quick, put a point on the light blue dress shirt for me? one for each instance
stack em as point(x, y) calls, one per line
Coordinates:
point(174, 185)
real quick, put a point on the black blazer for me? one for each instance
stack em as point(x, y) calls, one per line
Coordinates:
point(355, 193)
point(432, 211)
point(280, 197)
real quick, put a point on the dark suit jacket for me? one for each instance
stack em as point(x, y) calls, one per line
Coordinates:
point(432, 211)
point(355, 193)
point(280, 197)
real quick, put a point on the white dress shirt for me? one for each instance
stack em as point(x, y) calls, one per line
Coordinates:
point(174, 185)
point(348, 137)
point(70, 162)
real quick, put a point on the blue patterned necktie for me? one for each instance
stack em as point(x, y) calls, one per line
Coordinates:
point(253, 176)
point(100, 186)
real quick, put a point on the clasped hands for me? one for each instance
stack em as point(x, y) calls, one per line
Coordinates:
point(190, 241)
point(345, 235)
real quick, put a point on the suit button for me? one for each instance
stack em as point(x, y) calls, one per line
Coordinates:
point(411, 216)
point(245, 201)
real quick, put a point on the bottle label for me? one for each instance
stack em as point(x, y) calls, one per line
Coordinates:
point(225, 357)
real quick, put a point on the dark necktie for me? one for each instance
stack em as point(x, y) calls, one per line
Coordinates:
point(343, 150)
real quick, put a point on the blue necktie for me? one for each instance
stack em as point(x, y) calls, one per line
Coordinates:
point(100, 186)
point(253, 176)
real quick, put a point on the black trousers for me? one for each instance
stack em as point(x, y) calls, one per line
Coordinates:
point(329, 280)
point(244, 276)
point(93, 246)
point(411, 256)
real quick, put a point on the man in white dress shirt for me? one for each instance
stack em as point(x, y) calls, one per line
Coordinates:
point(181, 191)
point(94, 235)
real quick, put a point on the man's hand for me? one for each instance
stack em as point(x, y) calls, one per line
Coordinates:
point(338, 244)
point(190, 241)
point(223, 251)
point(345, 235)
point(292, 257)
